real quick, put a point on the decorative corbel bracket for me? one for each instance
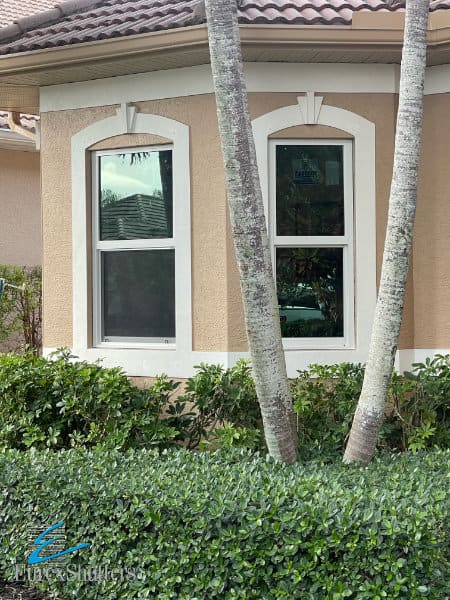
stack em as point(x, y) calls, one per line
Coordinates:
point(310, 106)
point(15, 125)
point(128, 114)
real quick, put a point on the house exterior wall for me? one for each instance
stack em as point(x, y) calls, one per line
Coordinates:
point(431, 234)
point(20, 217)
point(217, 318)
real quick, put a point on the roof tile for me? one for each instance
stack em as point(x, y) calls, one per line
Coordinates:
point(94, 20)
point(27, 121)
point(10, 10)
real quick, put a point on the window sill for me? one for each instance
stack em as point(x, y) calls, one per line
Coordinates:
point(319, 344)
point(135, 346)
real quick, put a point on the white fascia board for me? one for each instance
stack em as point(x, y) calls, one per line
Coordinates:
point(192, 81)
point(261, 77)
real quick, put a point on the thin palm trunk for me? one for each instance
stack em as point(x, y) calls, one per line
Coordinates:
point(249, 232)
point(397, 249)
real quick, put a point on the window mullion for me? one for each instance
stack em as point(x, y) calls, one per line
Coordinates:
point(147, 244)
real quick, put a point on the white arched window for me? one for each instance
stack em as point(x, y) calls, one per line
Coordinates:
point(319, 197)
point(140, 242)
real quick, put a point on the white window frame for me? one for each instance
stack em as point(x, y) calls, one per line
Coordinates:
point(99, 247)
point(136, 359)
point(345, 242)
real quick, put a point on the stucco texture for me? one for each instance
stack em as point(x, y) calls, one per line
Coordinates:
point(431, 235)
point(20, 220)
point(217, 308)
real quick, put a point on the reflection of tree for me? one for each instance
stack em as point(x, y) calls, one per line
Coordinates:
point(108, 197)
point(312, 277)
point(165, 169)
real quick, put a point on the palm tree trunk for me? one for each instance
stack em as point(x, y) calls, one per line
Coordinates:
point(397, 249)
point(249, 232)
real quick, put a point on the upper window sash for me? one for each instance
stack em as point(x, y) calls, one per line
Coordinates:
point(313, 240)
point(156, 240)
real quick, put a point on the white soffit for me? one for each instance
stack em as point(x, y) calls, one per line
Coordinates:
point(10, 140)
point(191, 81)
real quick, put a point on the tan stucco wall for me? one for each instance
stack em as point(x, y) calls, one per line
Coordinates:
point(432, 231)
point(20, 212)
point(217, 309)
point(209, 233)
point(381, 110)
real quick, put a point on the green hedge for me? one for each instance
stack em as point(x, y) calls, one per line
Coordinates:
point(210, 525)
point(64, 403)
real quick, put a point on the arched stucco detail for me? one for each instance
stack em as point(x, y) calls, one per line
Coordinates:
point(363, 133)
point(128, 121)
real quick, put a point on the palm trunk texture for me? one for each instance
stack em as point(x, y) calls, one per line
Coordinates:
point(249, 231)
point(369, 413)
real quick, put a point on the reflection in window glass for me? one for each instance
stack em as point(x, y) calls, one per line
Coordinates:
point(309, 190)
point(136, 200)
point(310, 291)
point(138, 294)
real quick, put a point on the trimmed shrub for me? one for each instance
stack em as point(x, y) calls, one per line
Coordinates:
point(417, 412)
point(208, 525)
point(222, 396)
point(63, 403)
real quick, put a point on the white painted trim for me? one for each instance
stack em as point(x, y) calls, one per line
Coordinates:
point(437, 80)
point(191, 81)
point(10, 140)
point(149, 364)
point(363, 132)
point(128, 121)
point(407, 357)
point(261, 77)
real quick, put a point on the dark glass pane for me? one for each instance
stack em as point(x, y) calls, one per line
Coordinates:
point(310, 291)
point(136, 195)
point(309, 190)
point(139, 294)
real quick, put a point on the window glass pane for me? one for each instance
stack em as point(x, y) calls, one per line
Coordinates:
point(139, 294)
point(309, 190)
point(310, 291)
point(136, 195)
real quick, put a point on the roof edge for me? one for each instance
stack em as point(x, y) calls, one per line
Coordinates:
point(61, 9)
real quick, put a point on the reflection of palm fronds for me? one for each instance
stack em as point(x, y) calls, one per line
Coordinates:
point(135, 156)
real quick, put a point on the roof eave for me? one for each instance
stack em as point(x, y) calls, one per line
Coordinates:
point(374, 31)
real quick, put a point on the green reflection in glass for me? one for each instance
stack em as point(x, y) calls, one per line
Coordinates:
point(309, 190)
point(136, 198)
point(310, 291)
